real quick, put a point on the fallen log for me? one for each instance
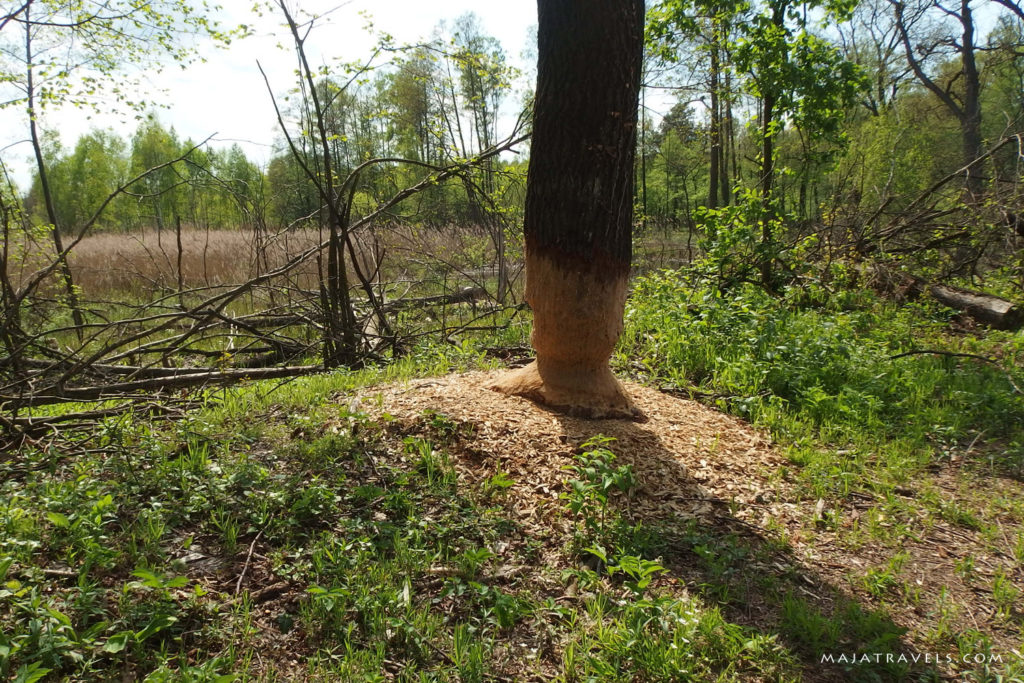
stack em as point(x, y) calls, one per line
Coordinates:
point(263, 357)
point(465, 295)
point(987, 309)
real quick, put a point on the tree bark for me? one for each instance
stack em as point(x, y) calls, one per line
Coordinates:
point(769, 99)
point(579, 203)
point(714, 171)
point(731, 142)
point(966, 110)
point(767, 185)
point(989, 310)
point(970, 123)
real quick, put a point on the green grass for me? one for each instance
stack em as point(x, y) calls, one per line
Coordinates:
point(153, 554)
point(821, 378)
point(898, 449)
point(277, 533)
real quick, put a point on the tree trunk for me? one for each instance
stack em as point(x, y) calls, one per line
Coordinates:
point(44, 183)
point(985, 308)
point(767, 185)
point(970, 121)
point(579, 203)
point(714, 172)
point(643, 157)
point(967, 109)
point(731, 141)
point(768, 134)
point(340, 336)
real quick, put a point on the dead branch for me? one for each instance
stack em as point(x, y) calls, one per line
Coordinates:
point(159, 384)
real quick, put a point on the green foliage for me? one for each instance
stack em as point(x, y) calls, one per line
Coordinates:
point(82, 52)
point(385, 556)
point(807, 77)
point(797, 76)
point(817, 368)
point(83, 179)
point(222, 188)
point(738, 238)
point(596, 479)
point(131, 526)
point(640, 572)
point(596, 524)
point(671, 640)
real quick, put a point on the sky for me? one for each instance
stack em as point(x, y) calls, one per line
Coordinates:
point(225, 95)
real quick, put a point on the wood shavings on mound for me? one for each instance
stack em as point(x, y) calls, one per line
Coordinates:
point(690, 461)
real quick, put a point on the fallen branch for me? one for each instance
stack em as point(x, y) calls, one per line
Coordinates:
point(248, 560)
point(121, 390)
point(464, 295)
point(870, 243)
point(990, 310)
point(987, 309)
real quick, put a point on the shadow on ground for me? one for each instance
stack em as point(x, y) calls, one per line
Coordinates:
point(756, 578)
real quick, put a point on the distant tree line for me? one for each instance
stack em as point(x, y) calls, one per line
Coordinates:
point(437, 104)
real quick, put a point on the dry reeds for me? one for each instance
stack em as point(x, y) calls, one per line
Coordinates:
point(137, 266)
point(111, 263)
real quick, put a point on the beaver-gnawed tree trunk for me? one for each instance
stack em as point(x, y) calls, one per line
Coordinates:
point(579, 203)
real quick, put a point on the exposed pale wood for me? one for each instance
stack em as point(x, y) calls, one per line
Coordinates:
point(985, 308)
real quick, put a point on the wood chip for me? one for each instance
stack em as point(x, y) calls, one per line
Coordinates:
point(685, 455)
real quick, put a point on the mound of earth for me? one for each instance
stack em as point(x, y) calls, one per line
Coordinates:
point(690, 461)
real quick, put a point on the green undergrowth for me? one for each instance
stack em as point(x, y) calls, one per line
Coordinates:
point(904, 425)
point(825, 375)
point(296, 539)
point(279, 533)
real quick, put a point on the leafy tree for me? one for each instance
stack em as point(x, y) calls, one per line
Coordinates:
point(240, 177)
point(292, 196)
point(84, 179)
point(682, 160)
point(1004, 93)
point(413, 112)
point(483, 78)
point(872, 41)
point(941, 45)
point(795, 75)
point(159, 191)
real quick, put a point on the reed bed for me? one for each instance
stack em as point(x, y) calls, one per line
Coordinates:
point(118, 266)
point(109, 263)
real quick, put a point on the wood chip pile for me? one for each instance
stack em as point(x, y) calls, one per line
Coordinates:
point(690, 460)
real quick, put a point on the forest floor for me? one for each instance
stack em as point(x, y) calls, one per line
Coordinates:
point(829, 508)
point(430, 527)
point(733, 527)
